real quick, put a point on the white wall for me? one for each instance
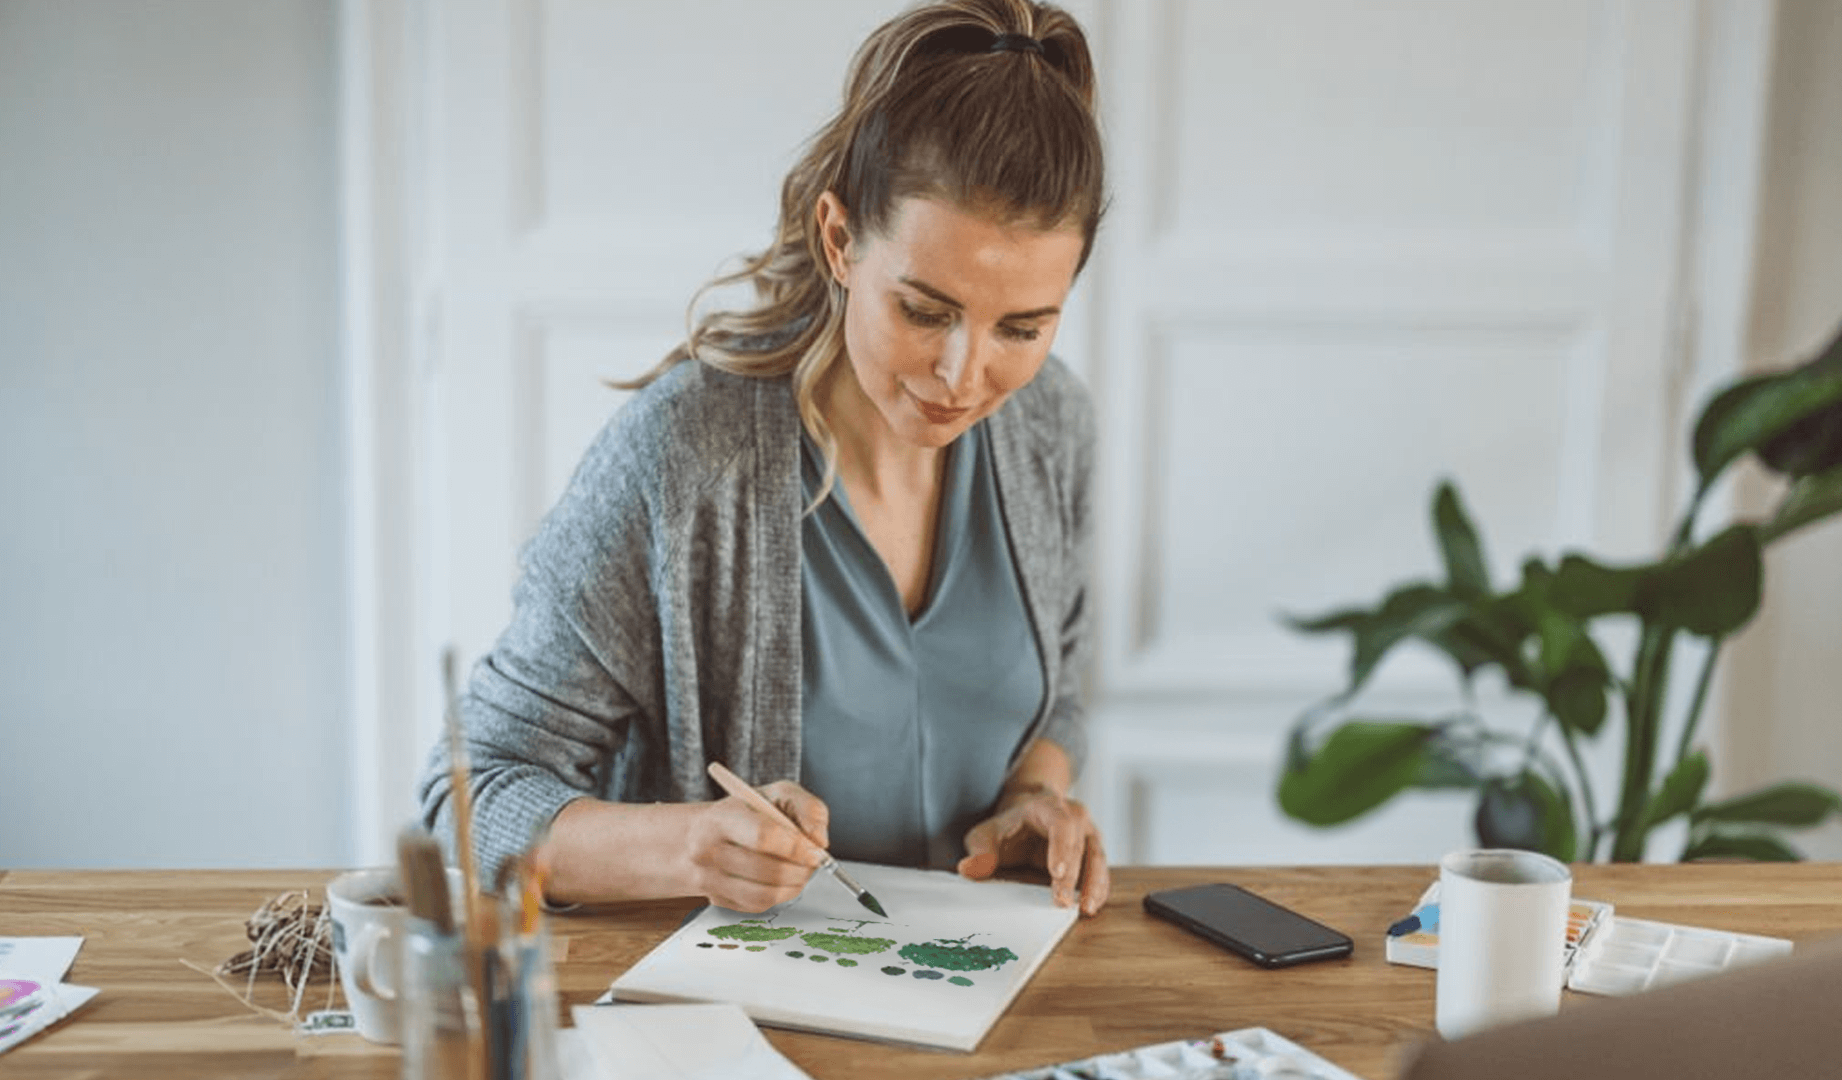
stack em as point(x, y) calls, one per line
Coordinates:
point(173, 688)
point(1784, 680)
point(171, 626)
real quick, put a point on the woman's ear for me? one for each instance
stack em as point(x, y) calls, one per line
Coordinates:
point(835, 236)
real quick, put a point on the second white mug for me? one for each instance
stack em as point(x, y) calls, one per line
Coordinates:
point(1502, 938)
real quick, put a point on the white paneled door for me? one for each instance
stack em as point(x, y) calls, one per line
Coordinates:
point(1354, 246)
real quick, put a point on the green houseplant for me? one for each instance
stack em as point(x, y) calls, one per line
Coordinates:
point(1540, 636)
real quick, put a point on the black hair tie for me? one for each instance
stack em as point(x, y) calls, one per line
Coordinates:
point(1015, 43)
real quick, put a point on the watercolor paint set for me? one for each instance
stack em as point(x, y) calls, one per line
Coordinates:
point(1247, 1054)
point(1606, 953)
point(1631, 955)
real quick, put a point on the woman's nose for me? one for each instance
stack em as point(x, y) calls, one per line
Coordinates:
point(959, 362)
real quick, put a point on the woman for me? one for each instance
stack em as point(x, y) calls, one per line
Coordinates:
point(838, 541)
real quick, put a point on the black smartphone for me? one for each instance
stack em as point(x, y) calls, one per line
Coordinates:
point(1249, 925)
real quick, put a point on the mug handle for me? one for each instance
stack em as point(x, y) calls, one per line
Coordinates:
point(365, 965)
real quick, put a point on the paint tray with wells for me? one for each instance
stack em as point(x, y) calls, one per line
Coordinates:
point(1629, 955)
point(1247, 1054)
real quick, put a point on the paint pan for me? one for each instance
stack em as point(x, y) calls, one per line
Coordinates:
point(1247, 1054)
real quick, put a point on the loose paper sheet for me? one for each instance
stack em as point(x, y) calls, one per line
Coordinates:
point(939, 971)
point(676, 1042)
point(33, 995)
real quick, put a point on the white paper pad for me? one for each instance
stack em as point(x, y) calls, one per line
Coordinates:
point(670, 1042)
point(939, 971)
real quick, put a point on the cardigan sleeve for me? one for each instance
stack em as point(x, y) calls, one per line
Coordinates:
point(1066, 724)
point(569, 695)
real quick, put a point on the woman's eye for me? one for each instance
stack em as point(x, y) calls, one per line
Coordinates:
point(1020, 333)
point(933, 320)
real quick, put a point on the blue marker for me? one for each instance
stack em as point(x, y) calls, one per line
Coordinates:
point(1427, 918)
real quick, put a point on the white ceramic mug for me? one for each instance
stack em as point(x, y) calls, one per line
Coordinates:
point(368, 910)
point(1502, 938)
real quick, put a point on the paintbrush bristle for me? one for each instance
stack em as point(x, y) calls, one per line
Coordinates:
point(869, 901)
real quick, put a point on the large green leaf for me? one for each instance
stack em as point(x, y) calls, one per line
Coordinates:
point(1681, 789)
point(1419, 610)
point(1343, 619)
point(1588, 589)
point(1363, 764)
point(1467, 574)
point(1793, 803)
point(1760, 847)
point(1751, 412)
point(1712, 590)
point(1811, 498)
point(1811, 444)
point(1577, 698)
point(1490, 632)
point(1526, 811)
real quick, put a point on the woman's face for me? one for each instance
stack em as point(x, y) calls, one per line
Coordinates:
point(949, 314)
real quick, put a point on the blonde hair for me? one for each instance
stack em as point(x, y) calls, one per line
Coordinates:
point(929, 109)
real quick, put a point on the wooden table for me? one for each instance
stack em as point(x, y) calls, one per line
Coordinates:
point(1119, 980)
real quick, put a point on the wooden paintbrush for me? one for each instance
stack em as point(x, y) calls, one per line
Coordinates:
point(461, 792)
point(425, 886)
point(481, 932)
point(735, 785)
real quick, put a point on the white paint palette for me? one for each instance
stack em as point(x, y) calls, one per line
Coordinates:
point(1630, 955)
point(1247, 1054)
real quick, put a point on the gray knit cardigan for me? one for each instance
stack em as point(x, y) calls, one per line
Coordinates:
point(656, 622)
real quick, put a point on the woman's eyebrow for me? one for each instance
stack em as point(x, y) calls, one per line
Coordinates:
point(924, 287)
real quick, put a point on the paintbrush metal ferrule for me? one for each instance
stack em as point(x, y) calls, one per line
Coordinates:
point(863, 895)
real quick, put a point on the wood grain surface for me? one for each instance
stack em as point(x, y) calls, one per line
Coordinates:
point(1119, 980)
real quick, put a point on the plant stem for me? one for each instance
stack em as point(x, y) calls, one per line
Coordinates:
point(1700, 699)
point(1593, 827)
point(1643, 708)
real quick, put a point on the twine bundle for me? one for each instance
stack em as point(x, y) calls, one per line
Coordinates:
point(290, 937)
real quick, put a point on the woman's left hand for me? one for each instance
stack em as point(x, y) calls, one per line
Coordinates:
point(1036, 826)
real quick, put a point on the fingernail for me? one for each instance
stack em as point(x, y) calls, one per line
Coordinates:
point(1059, 870)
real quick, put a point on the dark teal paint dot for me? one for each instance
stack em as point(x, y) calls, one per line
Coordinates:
point(894, 971)
point(795, 953)
point(929, 975)
point(960, 980)
point(705, 945)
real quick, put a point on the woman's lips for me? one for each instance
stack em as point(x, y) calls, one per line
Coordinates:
point(937, 414)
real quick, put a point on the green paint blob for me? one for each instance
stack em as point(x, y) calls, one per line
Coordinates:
point(960, 980)
point(795, 953)
point(895, 971)
point(929, 975)
point(956, 956)
point(817, 959)
point(756, 948)
point(842, 962)
point(846, 943)
point(705, 945)
point(745, 932)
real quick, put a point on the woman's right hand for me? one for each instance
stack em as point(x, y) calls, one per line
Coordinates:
point(739, 859)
